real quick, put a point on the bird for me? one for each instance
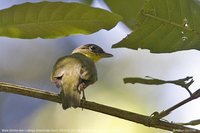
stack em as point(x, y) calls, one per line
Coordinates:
point(75, 72)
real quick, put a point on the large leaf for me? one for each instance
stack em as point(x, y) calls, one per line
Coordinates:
point(166, 26)
point(53, 19)
point(128, 9)
point(89, 2)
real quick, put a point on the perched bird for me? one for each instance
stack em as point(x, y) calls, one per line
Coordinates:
point(73, 73)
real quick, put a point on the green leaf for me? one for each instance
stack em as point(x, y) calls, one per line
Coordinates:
point(89, 2)
point(54, 19)
point(166, 26)
point(128, 9)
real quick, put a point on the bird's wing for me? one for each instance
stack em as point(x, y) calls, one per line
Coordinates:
point(88, 72)
point(58, 71)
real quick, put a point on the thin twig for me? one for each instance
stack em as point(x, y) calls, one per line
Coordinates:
point(130, 116)
point(184, 82)
point(193, 123)
point(164, 113)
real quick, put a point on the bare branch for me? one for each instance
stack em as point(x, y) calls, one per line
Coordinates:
point(26, 91)
point(130, 116)
point(193, 123)
point(184, 82)
point(164, 113)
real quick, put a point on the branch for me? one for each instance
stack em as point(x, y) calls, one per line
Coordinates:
point(184, 82)
point(164, 113)
point(130, 116)
point(193, 123)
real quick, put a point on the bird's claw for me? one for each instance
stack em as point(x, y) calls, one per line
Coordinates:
point(82, 102)
point(83, 99)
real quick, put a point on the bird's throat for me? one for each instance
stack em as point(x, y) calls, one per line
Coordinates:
point(93, 57)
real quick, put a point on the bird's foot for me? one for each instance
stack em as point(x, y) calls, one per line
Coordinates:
point(83, 99)
point(82, 86)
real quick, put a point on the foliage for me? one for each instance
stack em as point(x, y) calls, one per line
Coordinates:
point(160, 26)
point(133, 7)
point(53, 19)
point(163, 26)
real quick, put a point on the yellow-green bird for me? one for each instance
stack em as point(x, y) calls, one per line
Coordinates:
point(73, 73)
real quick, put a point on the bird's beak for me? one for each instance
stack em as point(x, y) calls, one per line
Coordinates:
point(106, 55)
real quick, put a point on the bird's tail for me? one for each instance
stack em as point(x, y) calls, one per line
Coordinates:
point(70, 98)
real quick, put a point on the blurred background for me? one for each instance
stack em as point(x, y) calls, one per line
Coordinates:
point(29, 62)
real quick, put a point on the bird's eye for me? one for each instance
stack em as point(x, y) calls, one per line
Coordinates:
point(92, 48)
